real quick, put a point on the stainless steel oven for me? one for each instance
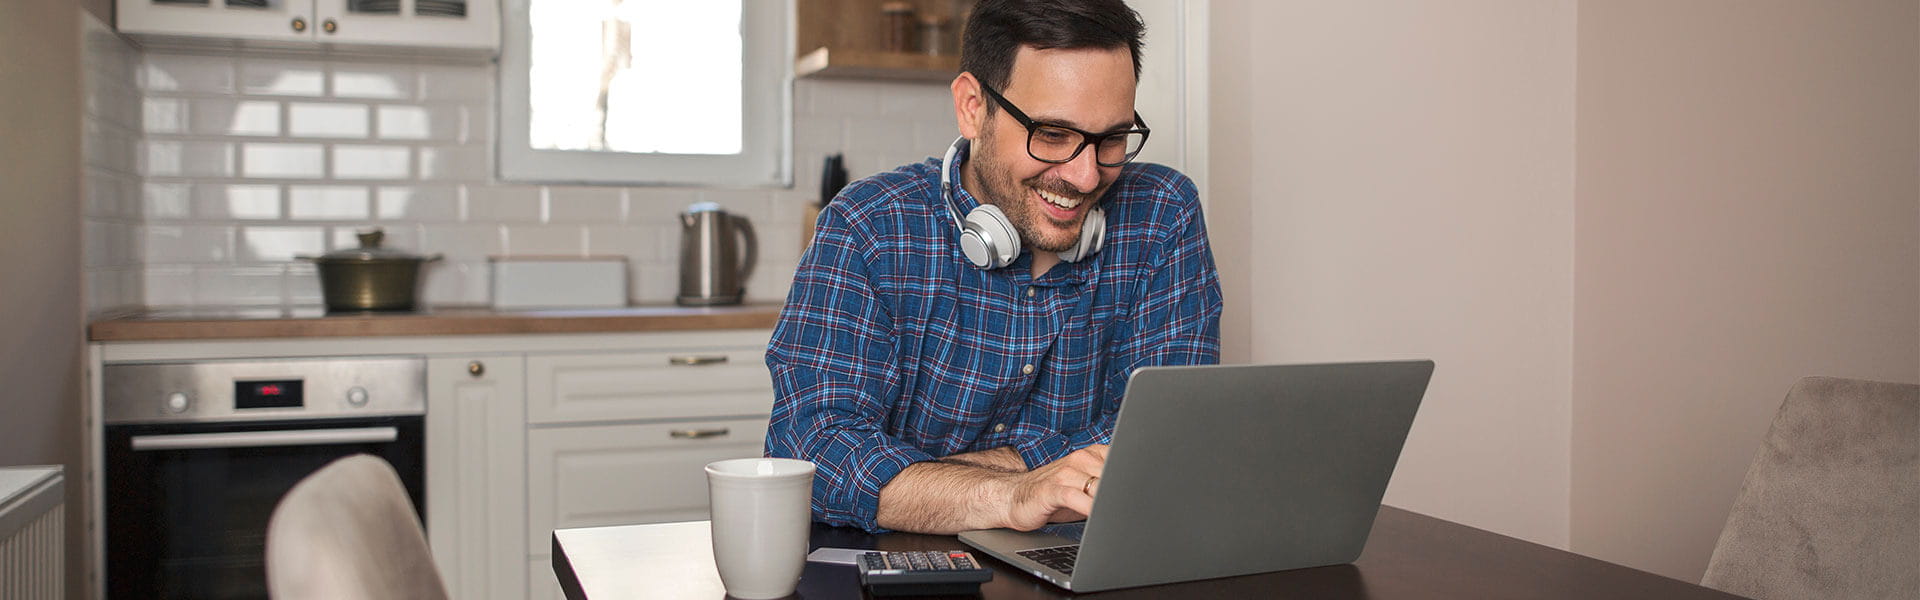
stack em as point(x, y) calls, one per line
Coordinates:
point(198, 454)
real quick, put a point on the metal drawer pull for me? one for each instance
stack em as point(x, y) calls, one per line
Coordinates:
point(695, 434)
point(711, 359)
point(262, 439)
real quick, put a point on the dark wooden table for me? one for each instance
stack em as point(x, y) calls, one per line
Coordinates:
point(1409, 555)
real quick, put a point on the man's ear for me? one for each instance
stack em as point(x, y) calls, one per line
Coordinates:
point(969, 107)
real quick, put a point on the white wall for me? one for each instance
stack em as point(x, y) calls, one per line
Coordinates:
point(1748, 214)
point(1408, 184)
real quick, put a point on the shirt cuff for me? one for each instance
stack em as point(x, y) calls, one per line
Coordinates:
point(881, 464)
point(1041, 449)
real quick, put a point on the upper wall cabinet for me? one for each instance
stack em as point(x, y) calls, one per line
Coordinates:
point(879, 39)
point(464, 27)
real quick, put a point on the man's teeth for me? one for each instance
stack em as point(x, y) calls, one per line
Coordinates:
point(1058, 200)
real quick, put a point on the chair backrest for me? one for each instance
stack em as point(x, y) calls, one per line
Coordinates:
point(349, 531)
point(1831, 503)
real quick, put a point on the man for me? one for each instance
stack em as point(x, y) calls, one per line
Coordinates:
point(938, 390)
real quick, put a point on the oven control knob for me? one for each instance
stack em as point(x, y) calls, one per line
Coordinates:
point(357, 396)
point(177, 402)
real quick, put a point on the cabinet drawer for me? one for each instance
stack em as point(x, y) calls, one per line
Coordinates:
point(625, 474)
point(577, 388)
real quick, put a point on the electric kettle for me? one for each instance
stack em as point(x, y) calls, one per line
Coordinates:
point(717, 252)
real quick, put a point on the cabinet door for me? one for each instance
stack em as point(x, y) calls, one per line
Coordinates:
point(583, 388)
point(476, 473)
point(457, 24)
point(582, 476)
point(241, 19)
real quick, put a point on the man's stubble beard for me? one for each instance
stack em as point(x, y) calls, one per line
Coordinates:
point(1001, 191)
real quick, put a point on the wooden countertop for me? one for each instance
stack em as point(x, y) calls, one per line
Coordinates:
point(315, 322)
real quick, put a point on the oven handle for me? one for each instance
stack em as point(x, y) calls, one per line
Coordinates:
point(260, 439)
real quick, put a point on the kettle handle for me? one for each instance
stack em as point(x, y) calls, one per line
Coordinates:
point(753, 251)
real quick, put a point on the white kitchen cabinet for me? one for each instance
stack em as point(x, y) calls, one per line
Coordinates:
point(623, 474)
point(476, 475)
point(465, 26)
point(674, 384)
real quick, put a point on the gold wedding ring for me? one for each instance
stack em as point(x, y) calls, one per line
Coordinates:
point(1087, 488)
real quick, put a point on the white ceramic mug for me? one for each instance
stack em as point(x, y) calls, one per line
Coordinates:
point(760, 524)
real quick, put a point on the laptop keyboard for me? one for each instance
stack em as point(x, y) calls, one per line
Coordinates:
point(1058, 558)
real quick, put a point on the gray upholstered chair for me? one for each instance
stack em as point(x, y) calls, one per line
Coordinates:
point(349, 531)
point(1831, 504)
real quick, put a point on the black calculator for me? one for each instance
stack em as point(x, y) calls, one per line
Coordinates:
point(922, 573)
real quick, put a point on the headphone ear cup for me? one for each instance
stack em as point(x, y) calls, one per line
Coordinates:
point(1093, 235)
point(988, 239)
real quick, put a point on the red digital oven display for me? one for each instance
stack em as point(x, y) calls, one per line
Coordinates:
point(279, 393)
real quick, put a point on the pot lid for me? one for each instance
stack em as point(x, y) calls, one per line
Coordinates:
point(370, 250)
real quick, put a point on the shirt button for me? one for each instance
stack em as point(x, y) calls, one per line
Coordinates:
point(1029, 292)
point(1026, 370)
point(999, 427)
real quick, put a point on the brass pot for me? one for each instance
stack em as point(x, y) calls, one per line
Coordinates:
point(370, 278)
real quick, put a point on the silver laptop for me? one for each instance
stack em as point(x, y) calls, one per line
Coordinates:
point(1226, 470)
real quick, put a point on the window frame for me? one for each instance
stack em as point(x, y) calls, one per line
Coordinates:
point(766, 153)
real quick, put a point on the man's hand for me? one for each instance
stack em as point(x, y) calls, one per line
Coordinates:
point(1060, 491)
point(981, 491)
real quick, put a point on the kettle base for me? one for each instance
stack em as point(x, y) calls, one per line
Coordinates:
point(706, 300)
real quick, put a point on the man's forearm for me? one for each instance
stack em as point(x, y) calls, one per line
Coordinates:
point(999, 459)
point(945, 498)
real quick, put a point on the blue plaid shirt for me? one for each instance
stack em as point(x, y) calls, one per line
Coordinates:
point(893, 349)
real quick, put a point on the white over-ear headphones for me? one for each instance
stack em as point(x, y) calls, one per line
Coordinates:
point(988, 238)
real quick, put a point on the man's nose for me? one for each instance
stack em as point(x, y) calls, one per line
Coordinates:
point(1083, 172)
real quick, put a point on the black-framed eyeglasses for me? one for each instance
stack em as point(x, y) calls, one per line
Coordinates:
point(1059, 143)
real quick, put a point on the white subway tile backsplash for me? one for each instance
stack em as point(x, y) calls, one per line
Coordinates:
point(164, 115)
point(177, 244)
point(303, 284)
point(239, 201)
point(168, 158)
point(536, 240)
point(449, 282)
point(638, 243)
point(420, 203)
point(423, 172)
point(454, 163)
point(585, 204)
point(372, 81)
point(456, 83)
point(275, 244)
point(283, 160)
point(276, 77)
point(372, 162)
point(224, 116)
point(462, 241)
point(168, 201)
point(486, 203)
point(187, 73)
point(327, 202)
point(441, 122)
point(328, 120)
point(240, 285)
point(168, 286)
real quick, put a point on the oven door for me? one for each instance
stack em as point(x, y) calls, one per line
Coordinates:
point(187, 504)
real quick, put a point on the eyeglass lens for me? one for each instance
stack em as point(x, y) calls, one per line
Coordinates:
point(1060, 145)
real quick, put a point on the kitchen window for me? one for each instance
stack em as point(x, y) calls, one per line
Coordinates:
point(651, 92)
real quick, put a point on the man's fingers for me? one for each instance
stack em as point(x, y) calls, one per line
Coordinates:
point(1099, 450)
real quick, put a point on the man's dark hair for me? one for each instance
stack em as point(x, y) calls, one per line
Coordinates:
point(998, 28)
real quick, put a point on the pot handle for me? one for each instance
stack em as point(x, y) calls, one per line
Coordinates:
point(433, 258)
point(753, 251)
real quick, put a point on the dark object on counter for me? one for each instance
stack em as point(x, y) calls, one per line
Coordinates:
point(369, 278)
point(898, 24)
point(833, 177)
point(713, 266)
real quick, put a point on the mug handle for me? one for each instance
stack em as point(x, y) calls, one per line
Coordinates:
point(753, 251)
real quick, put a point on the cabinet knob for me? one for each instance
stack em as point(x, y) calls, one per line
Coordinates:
point(329, 26)
point(476, 369)
point(299, 24)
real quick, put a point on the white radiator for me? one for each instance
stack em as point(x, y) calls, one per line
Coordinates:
point(32, 534)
